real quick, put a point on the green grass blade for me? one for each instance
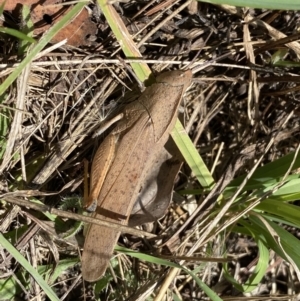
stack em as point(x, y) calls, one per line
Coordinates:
point(4, 123)
point(192, 156)
point(269, 173)
point(22, 261)
point(9, 288)
point(290, 187)
point(290, 244)
point(17, 34)
point(124, 38)
point(62, 266)
point(210, 293)
point(283, 211)
point(41, 44)
point(261, 266)
point(27, 28)
point(257, 274)
point(2, 8)
point(269, 4)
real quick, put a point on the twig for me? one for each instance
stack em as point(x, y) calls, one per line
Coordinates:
point(78, 217)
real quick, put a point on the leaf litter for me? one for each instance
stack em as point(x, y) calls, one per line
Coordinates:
point(225, 118)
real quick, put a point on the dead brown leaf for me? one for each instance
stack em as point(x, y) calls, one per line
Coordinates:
point(45, 13)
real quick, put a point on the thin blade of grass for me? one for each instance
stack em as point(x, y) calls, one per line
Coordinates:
point(41, 44)
point(268, 4)
point(124, 38)
point(281, 243)
point(27, 28)
point(2, 8)
point(257, 274)
point(192, 156)
point(9, 288)
point(27, 266)
point(210, 293)
point(271, 172)
point(17, 34)
point(290, 243)
point(283, 211)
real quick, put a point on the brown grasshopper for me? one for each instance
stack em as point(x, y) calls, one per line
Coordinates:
point(122, 161)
